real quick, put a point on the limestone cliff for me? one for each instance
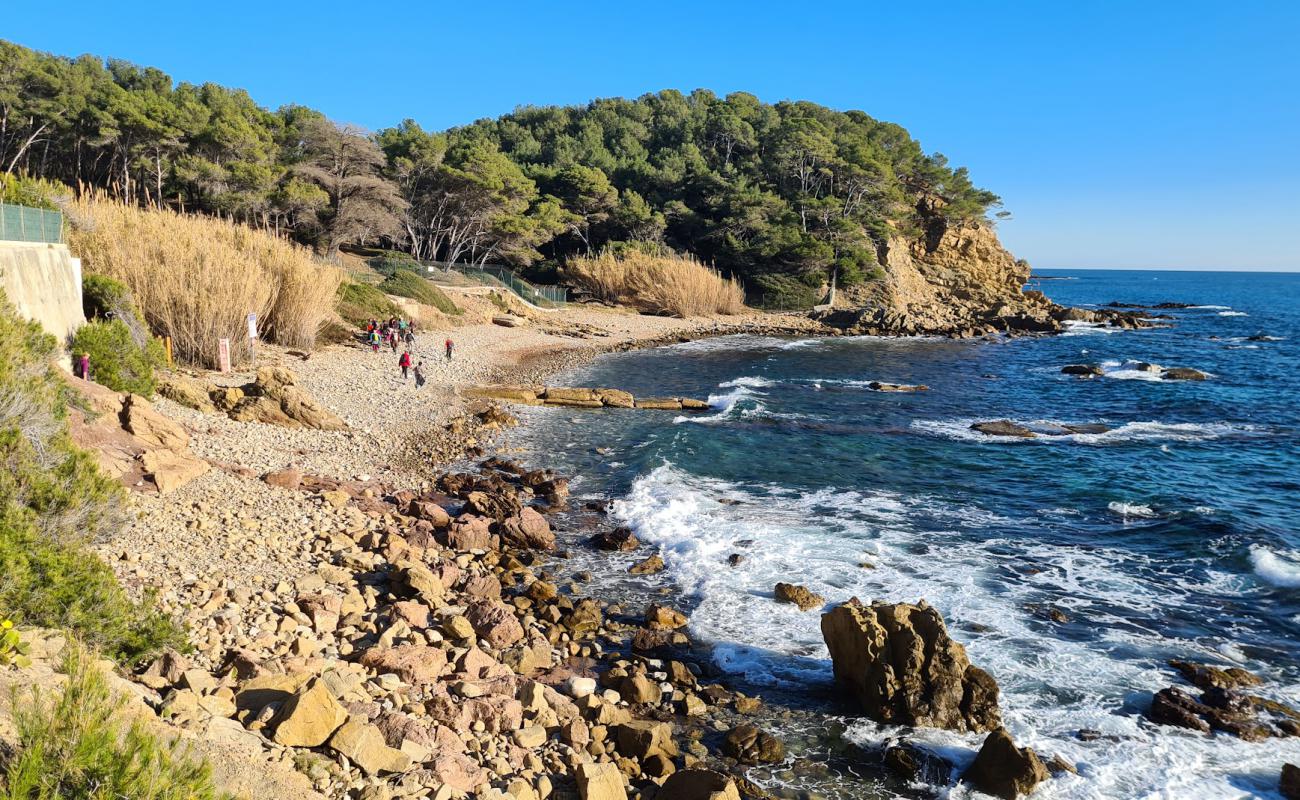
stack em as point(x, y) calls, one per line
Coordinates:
point(952, 279)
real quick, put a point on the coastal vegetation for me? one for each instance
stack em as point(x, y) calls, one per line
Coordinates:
point(657, 283)
point(53, 501)
point(783, 196)
point(196, 278)
point(79, 743)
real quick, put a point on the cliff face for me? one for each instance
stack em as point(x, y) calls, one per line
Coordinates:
point(952, 280)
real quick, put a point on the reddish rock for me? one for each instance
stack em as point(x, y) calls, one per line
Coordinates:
point(528, 529)
point(494, 623)
point(429, 511)
point(416, 664)
point(470, 532)
point(284, 478)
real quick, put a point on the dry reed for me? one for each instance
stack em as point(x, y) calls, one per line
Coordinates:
point(658, 284)
point(196, 279)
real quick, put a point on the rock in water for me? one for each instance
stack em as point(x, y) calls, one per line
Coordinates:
point(1004, 770)
point(1289, 785)
point(1183, 374)
point(799, 595)
point(749, 745)
point(905, 670)
point(1003, 427)
point(1082, 370)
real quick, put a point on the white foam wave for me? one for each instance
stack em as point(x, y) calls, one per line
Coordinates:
point(1147, 431)
point(1233, 314)
point(1132, 510)
point(1076, 327)
point(750, 381)
point(1213, 308)
point(1051, 685)
point(724, 404)
point(1277, 570)
point(1127, 371)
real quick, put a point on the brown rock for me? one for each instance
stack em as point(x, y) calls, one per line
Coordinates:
point(430, 511)
point(1004, 770)
point(1289, 784)
point(308, 717)
point(643, 738)
point(637, 689)
point(1208, 676)
point(416, 664)
point(187, 392)
point(496, 505)
point(494, 623)
point(528, 529)
point(470, 532)
point(798, 595)
point(284, 478)
point(170, 469)
point(620, 539)
point(905, 670)
point(616, 398)
point(663, 618)
point(1172, 706)
point(649, 566)
point(363, 744)
point(1003, 427)
point(749, 745)
point(699, 784)
point(600, 782)
point(145, 422)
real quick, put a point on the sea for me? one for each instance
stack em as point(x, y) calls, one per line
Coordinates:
point(1072, 567)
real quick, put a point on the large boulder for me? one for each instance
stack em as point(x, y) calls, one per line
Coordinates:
point(700, 784)
point(187, 392)
point(798, 595)
point(600, 782)
point(904, 668)
point(143, 421)
point(750, 745)
point(363, 744)
point(1289, 784)
point(309, 717)
point(171, 469)
point(494, 623)
point(528, 530)
point(1002, 427)
point(1004, 770)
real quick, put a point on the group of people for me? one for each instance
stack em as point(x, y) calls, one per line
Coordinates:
point(401, 331)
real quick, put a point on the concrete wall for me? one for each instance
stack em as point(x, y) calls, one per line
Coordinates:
point(43, 282)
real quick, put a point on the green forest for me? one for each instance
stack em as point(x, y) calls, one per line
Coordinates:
point(781, 195)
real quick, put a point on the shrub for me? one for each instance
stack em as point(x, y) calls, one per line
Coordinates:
point(404, 283)
point(197, 278)
point(389, 264)
point(80, 744)
point(21, 190)
point(53, 500)
point(657, 283)
point(778, 291)
point(116, 361)
point(358, 303)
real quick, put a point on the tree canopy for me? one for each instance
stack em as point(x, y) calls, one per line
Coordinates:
point(782, 195)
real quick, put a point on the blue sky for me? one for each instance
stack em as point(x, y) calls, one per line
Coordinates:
point(1134, 134)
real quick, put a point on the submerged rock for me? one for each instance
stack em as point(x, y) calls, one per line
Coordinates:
point(1003, 427)
point(1207, 676)
point(878, 386)
point(749, 745)
point(1082, 370)
point(1004, 770)
point(1183, 374)
point(904, 669)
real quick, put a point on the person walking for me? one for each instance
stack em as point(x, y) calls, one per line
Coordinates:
point(409, 338)
point(449, 349)
point(405, 363)
point(374, 341)
point(82, 367)
point(392, 340)
point(419, 375)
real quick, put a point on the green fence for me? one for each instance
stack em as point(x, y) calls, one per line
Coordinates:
point(23, 224)
point(541, 296)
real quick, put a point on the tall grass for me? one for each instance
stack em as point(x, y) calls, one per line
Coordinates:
point(664, 283)
point(196, 279)
point(81, 744)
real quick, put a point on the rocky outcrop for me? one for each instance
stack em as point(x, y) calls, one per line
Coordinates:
point(1289, 784)
point(132, 440)
point(954, 279)
point(583, 397)
point(274, 397)
point(1222, 705)
point(904, 669)
point(1004, 770)
point(800, 596)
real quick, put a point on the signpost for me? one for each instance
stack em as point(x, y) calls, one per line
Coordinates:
point(223, 354)
point(252, 336)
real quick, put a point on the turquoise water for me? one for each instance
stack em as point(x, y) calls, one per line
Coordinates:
point(1174, 535)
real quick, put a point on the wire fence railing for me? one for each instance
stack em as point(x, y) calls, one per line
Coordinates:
point(541, 296)
point(25, 224)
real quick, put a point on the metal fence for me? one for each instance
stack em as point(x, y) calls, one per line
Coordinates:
point(23, 224)
point(542, 296)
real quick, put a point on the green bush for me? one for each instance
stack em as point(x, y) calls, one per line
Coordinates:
point(776, 291)
point(53, 501)
point(408, 284)
point(358, 303)
point(389, 264)
point(103, 297)
point(80, 745)
point(20, 190)
point(116, 361)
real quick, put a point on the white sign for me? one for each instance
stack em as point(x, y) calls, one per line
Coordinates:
point(223, 354)
point(252, 326)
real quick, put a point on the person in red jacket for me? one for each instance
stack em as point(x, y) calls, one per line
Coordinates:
point(449, 347)
point(405, 363)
